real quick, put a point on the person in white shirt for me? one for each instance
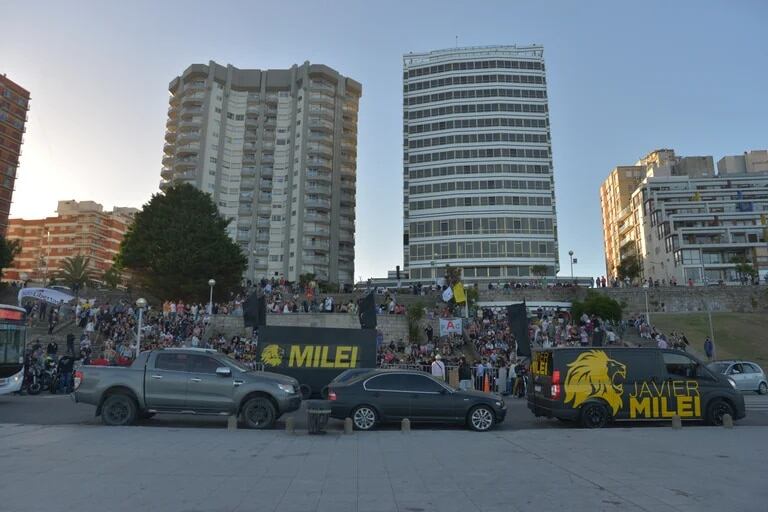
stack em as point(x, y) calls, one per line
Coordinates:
point(662, 343)
point(438, 368)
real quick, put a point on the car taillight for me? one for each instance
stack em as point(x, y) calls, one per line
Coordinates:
point(331, 395)
point(78, 379)
point(556, 389)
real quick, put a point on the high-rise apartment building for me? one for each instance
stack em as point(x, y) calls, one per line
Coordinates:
point(14, 103)
point(680, 221)
point(277, 150)
point(80, 227)
point(478, 183)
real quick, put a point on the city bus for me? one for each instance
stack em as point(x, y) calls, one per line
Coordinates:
point(13, 336)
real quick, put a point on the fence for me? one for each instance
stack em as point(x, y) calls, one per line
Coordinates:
point(489, 379)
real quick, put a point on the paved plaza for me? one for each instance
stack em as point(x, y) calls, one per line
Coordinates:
point(95, 468)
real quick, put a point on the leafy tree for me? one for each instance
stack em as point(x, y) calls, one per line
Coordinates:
point(539, 270)
point(597, 304)
point(305, 279)
point(76, 272)
point(112, 277)
point(415, 314)
point(177, 242)
point(744, 268)
point(9, 249)
point(629, 268)
point(452, 275)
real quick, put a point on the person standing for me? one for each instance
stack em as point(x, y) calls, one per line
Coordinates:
point(709, 348)
point(429, 332)
point(465, 375)
point(52, 349)
point(71, 344)
point(438, 368)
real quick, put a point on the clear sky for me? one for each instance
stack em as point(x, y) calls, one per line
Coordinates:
point(624, 78)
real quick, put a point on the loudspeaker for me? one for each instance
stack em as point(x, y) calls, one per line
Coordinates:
point(517, 315)
point(255, 310)
point(366, 312)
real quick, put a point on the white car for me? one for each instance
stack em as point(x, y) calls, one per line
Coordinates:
point(747, 375)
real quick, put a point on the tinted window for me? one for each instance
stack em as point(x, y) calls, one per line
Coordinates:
point(751, 368)
point(737, 368)
point(680, 365)
point(385, 382)
point(173, 362)
point(419, 383)
point(203, 364)
point(718, 367)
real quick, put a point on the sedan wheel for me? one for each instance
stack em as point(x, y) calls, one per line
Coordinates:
point(763, 389)
point(364, 417)
point(481, 418)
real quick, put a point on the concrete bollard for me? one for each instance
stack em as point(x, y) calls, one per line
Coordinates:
point(727, 421)
point(347, 425)
point(231, 422)
point(406, 425)
point(677, 422)
point(290, 426)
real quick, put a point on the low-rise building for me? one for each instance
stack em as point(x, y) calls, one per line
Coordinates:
point(682, 222)
point(80, 227)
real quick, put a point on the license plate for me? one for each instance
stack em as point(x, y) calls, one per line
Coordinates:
point(537, 388)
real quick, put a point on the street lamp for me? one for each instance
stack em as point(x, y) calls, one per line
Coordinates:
point(570, 254)
point(141, 303)
point(211, 283)
point(432, 265)
point(24, 278)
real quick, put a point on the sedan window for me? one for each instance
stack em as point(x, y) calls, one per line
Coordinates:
point(750, 368)
point(737, 369)
point(420, 384)
point(391, 382)
point(171, 362)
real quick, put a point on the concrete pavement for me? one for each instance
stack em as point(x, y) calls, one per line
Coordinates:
point(93, 468)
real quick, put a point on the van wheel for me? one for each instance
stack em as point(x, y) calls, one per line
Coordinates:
point(259, 413)
point(594, 415)
point(762, 389)
point(118, 410)
point(716, 410)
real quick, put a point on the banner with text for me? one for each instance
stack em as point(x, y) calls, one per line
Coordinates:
point(46, 294)
point(450, 326)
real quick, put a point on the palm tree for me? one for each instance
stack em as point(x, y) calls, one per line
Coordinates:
point(76, 273)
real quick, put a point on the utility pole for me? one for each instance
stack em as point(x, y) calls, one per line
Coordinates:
point(711, 332)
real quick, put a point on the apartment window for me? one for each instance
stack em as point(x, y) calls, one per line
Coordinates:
point(239, 117)
point(218, 110)
point(213, 159)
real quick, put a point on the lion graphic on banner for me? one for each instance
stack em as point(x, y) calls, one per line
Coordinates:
point(594, 375)
point(272, 355)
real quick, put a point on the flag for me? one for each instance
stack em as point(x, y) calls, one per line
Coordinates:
point(447, 294)
point(458, 293)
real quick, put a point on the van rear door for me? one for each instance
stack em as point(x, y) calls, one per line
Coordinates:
point(543, 392)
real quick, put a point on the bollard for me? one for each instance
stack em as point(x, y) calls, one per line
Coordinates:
point(347, 425)
point(406, 425)
point(677, 422)
point(727, 421)
point(290, 426)
point(231, 422)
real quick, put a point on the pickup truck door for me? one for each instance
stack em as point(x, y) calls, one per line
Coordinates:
point(165, 382)
point(208, 392)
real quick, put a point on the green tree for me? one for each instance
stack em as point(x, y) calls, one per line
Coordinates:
point(629, 268)
point(539, 270)
point(112, 277)
point(177, 242)
point(9, 249)
point(415, 314)
point(744, 268)
point(305, 279)
point(597, 304)
point(76, 272)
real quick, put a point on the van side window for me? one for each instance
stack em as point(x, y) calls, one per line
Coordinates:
point(680, 365)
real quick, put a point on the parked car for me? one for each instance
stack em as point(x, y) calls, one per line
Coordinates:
point(595, 386)
point(186, 381)
point(345, 376)
point(747, 375)
point(382, 396)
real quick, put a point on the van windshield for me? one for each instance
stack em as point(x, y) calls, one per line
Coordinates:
point(718, 367)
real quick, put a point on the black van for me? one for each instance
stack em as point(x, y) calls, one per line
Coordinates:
point(596, 385)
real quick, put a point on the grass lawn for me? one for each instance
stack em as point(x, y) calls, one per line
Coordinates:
point(737, 335)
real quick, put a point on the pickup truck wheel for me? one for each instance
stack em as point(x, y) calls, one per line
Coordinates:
point(118, 410)
point(259, 413)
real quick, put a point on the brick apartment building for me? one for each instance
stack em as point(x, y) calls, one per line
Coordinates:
point(78, 228)
point(14, 103)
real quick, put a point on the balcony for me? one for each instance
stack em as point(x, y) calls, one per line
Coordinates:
point(194, 122)
point(248, 172)
point(185, 163)
point(348, 171)
point(314, 85)
point(322, 113)
point(319, 162)
point(319, 176)
point(268, 146)
point(315, 189)
point(317, 218)
point(165, 185)
point(314, 260)
point(168, 148)
point(347, 198)
point(244, 211)
point(197, 97)
point(188, 149)
point(265, 185)
point(246, 197)
point(317, 232)
point(263, 223)
point(188, 136)
point(186, 176)
point(317, 149)
point(168, 160)
point(271, 99)
point(346, 224)
point(191, 110)
point(170, 135)
point(247, 185)
point(345, 236)
point(317, 203)
point(262, 238)
point(166, 172)
point(320, 124)
point(317, 245)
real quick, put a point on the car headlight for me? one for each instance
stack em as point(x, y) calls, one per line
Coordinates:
point(288, 388)
point(732, 382)
point(500, 404)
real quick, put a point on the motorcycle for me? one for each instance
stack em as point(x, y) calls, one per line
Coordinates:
point(41, 376)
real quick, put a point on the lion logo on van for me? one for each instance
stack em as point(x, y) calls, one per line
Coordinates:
point(594, 375)
point(272, 355)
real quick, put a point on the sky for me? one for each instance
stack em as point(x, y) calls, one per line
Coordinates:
point(624, 78)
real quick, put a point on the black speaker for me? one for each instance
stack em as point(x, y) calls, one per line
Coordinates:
point(366, 312)
point(255, 310)
point(517, 315)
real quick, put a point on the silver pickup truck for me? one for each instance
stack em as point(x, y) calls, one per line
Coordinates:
point(186, 381)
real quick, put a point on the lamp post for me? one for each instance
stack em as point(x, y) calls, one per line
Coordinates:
point(141, 303)
point(432, 266)
point(570, 254)
point(24, 278)
point(211, 283)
